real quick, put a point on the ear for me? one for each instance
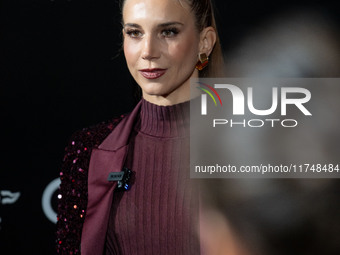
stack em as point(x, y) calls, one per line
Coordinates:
point(207, 40)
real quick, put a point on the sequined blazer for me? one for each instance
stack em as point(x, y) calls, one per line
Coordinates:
point(85, 194)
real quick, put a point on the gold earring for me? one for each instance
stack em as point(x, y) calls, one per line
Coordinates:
point(202, 62)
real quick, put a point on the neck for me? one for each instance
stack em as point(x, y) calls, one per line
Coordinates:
point(164, 101)
point(164, 121)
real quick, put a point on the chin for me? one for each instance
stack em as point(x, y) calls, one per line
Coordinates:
point(154, 89)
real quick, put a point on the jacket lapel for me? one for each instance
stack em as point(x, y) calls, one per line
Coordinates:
point(108, 157)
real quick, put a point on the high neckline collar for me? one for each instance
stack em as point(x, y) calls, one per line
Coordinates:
point(164, 121)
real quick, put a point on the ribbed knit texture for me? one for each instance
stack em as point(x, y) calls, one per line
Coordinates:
point(159, 214)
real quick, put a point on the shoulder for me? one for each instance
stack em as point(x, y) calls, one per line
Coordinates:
point(78, 151)
point(94, 135)
point(80, 145)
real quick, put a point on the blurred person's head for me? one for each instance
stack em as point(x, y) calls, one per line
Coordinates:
point(294, 43)
point(279, 216)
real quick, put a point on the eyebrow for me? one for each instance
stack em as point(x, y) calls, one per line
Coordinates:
point(170, 24)
point(160, 25)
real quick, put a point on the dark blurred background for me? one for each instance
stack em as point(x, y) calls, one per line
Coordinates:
point(62, 69)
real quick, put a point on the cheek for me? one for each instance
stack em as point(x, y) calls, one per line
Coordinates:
point(186, 51)
point(130, 52)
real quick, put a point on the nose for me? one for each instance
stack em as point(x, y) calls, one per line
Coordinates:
point(151, 48)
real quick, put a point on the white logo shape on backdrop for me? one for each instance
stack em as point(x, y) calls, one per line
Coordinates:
point(7, 197)
point(46, 201)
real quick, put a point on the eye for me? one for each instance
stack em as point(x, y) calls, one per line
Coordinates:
point(170, 32)
point(133, 33)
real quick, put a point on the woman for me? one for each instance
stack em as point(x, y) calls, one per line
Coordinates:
point(166, 42)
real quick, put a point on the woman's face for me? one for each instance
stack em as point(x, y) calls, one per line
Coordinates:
point(161, 45)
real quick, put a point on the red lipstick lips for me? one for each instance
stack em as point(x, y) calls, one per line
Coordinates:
point(152, 73)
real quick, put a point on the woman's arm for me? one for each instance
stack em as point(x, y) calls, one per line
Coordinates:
point(72, 196)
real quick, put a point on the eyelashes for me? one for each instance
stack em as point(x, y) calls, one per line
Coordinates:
point(133, 33)
point(170, 32)
point(165, 33)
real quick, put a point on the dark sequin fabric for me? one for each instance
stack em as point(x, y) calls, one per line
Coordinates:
point(72, 196)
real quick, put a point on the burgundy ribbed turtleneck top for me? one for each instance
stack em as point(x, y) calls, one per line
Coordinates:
point(158, 215)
